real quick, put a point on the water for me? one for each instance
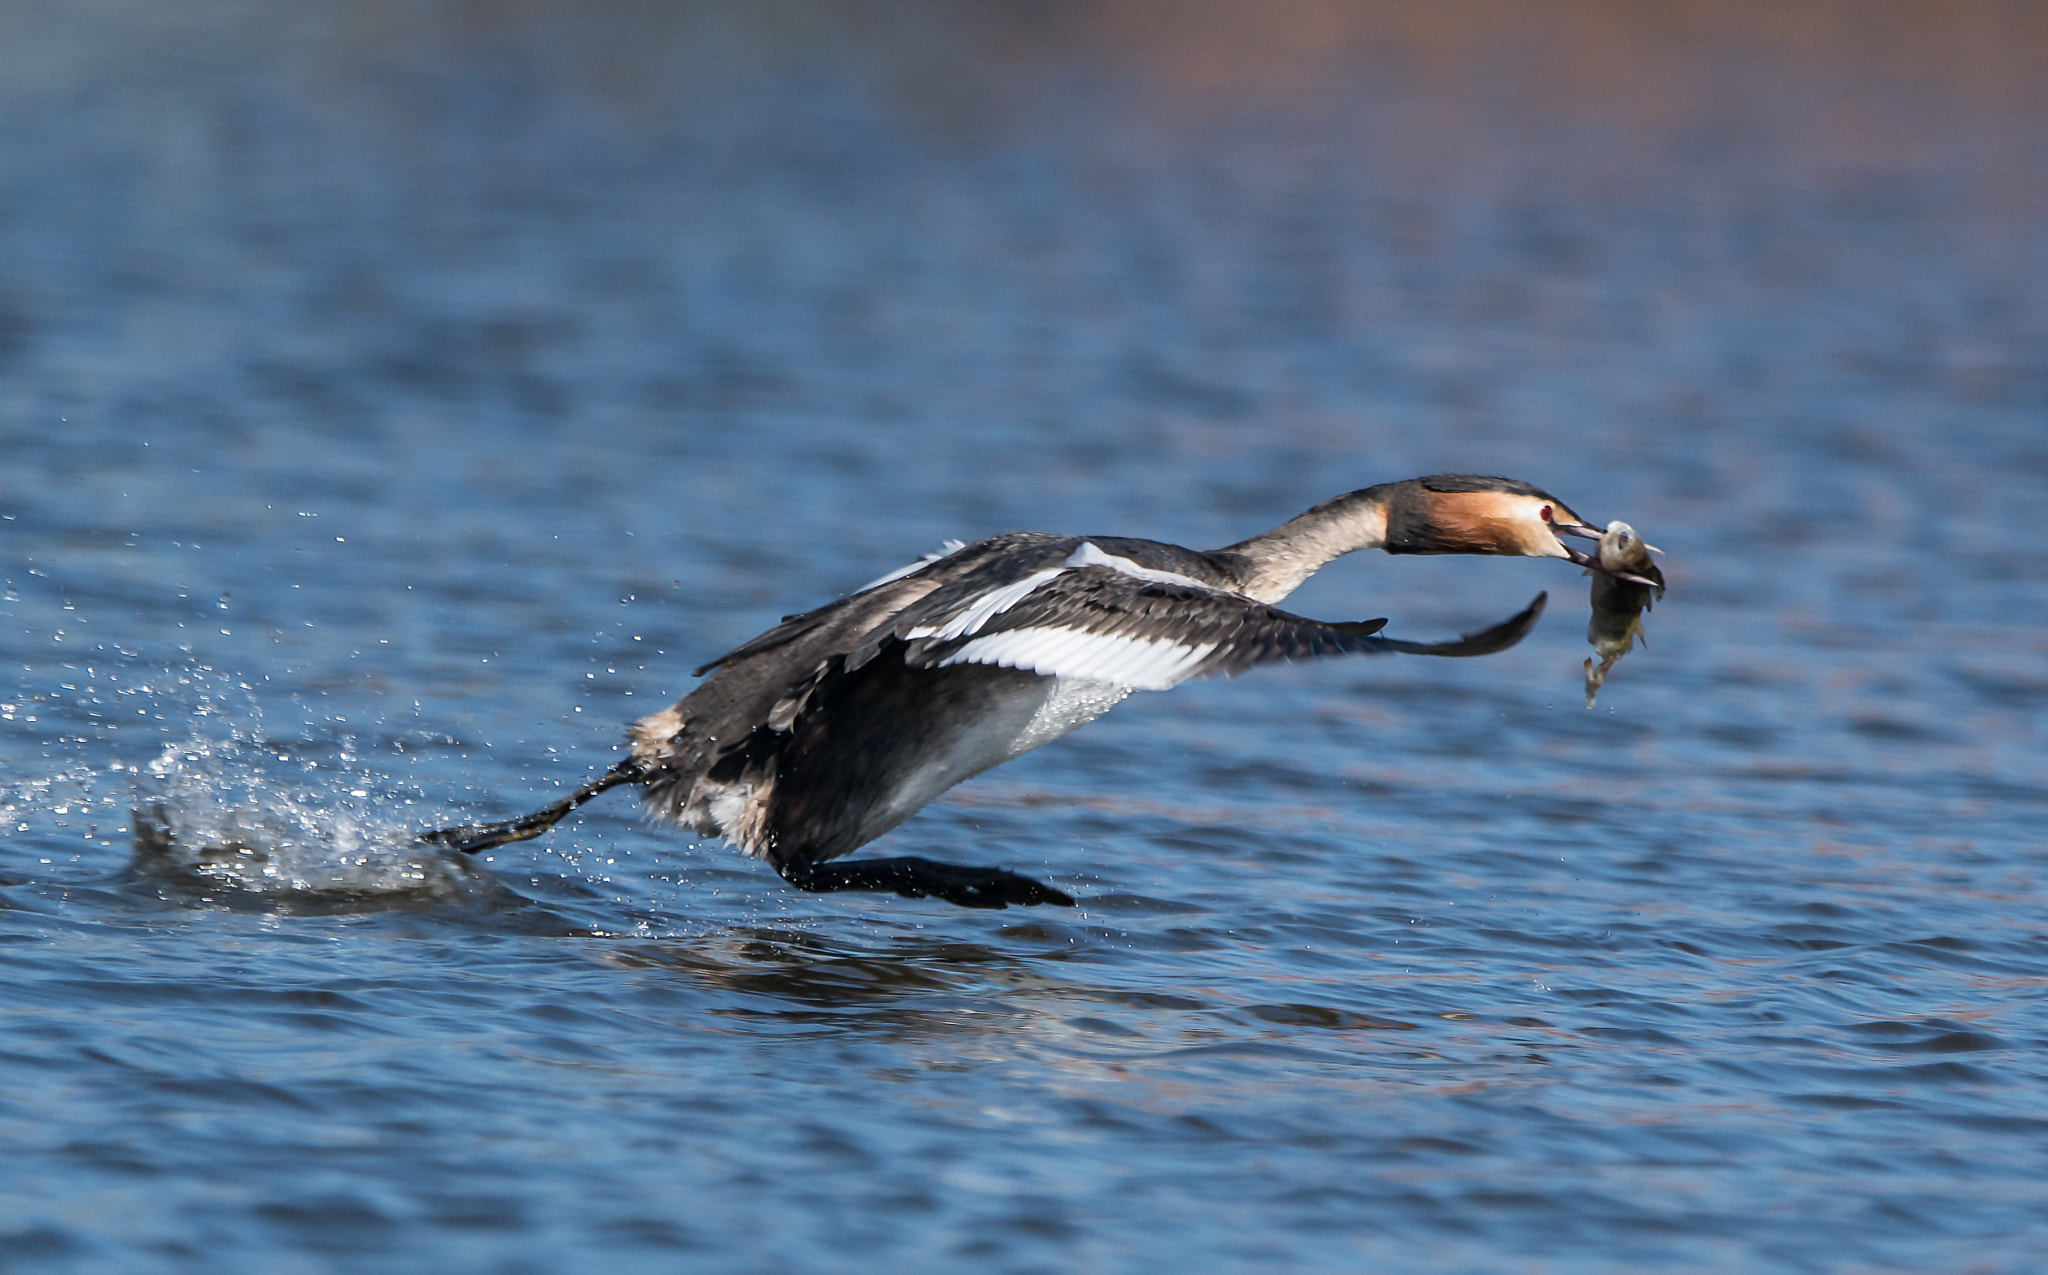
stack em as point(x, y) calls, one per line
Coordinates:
point(396, 400)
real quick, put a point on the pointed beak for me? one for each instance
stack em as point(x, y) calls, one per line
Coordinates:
point(1562, 529)
point(1581, 558)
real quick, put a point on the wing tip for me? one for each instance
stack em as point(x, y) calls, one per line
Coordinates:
point(1487, 641)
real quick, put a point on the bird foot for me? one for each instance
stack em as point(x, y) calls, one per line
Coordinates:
point(474, 838)
point(916, 878)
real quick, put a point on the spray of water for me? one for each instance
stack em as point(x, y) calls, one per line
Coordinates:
point(232, 811)
point(269, 819)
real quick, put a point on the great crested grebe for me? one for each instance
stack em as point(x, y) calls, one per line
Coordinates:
point(830, 729)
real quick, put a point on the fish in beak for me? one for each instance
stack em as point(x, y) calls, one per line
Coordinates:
point(1625, 584)
point(1611, 560)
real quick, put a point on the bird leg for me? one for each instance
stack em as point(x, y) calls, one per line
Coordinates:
point(915, 878)
point(471, 838)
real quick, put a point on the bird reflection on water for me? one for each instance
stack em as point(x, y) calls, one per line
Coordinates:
point(940, 986)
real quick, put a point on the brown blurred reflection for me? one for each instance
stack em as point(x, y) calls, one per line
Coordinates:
point(1426, 86)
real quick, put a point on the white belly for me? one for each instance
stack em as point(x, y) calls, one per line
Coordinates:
point(1043, 710)
point(1072, 704)
point(1014, 713)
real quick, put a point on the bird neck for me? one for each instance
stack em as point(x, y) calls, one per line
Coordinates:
point(1273, 564)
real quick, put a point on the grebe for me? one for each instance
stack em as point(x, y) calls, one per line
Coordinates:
point(830, 729)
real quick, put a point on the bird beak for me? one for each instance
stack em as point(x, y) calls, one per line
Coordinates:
point(1581, 558)
point(1562, 529)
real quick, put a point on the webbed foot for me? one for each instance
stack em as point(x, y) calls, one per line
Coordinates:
point(472, 838)
point(916, 878)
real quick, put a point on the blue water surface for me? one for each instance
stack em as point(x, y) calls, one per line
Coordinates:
point(397, 400)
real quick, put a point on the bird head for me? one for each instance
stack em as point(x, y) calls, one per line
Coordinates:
point(1467, 513)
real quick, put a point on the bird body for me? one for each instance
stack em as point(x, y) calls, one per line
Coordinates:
point(830, 729)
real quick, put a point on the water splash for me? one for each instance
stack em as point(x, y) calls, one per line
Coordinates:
point(288, 823)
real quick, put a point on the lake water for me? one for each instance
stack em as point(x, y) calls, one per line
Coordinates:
point(395, 400)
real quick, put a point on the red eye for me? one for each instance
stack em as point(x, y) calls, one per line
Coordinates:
point(1545, 515)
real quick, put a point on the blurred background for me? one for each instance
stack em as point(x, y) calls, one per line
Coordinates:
point(413, 392)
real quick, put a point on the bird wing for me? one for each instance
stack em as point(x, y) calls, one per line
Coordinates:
point(1097, 617)
point(869, 610)
point(857, 614)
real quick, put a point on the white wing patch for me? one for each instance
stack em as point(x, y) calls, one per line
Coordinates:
point(1145, 664)
point(946, 550)
point(1088, 555)
point(993, 603)
point(986, 607)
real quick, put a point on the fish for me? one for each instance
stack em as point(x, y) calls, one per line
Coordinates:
point(1625, 584)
